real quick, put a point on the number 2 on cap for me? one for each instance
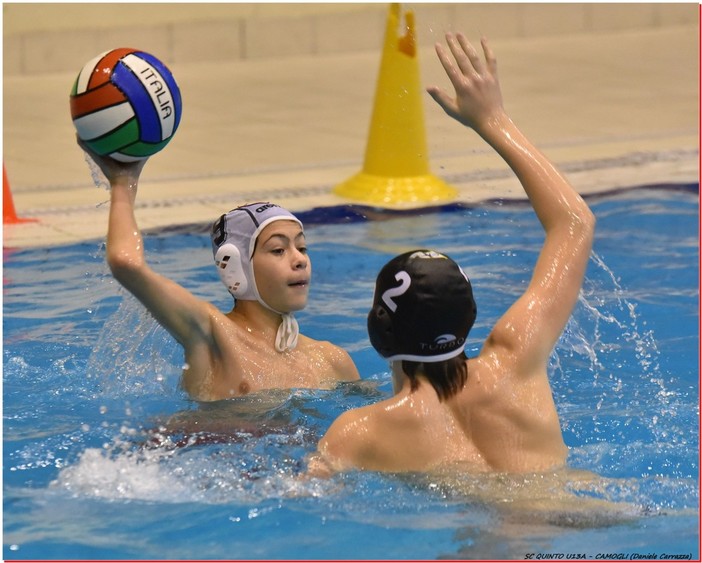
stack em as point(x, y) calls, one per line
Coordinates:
point(404, 279)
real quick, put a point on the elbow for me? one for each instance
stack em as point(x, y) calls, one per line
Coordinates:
point(578, 230)
point(124, 265)
point(589, 218)
point(582, 223)
point(583, 230)
point(589, 221)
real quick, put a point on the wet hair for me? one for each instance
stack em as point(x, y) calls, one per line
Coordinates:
point(447, 377)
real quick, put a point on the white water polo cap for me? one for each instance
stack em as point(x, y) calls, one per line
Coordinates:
point(234, 237)
point(423, 308)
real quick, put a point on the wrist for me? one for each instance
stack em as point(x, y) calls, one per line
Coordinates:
point(497, 123)
point(123, 182)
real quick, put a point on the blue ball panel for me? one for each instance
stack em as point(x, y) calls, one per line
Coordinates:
point(147, 114)
point(170, 82)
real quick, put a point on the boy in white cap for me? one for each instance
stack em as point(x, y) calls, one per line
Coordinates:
point(494, 412)
point(261, 255)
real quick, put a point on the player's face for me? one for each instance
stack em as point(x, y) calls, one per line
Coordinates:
point(281, 266)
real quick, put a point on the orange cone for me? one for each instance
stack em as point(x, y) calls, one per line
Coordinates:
point(9, 215)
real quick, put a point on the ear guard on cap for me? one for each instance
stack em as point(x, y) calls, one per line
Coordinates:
point(230, 269)
point(380, 331)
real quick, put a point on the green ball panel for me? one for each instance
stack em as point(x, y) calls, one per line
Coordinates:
point(115, 141)
point(143, 149)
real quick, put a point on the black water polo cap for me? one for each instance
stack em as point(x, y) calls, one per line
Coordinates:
point(423, 308)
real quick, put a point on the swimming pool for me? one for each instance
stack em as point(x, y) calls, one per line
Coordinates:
point(87, 375)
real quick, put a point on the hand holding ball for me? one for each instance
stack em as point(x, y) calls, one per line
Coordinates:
point(125, 104)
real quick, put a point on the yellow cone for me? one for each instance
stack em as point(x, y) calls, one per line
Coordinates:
point(396, 166)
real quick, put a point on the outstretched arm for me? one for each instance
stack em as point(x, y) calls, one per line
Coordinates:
point(532, 326)
point(175, 308)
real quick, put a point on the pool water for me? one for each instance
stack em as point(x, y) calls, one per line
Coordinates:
point(90, 383)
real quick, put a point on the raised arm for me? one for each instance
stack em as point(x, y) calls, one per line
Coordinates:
point(531, 327)
point(175, 308)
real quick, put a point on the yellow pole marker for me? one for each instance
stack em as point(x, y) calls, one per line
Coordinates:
point(396, 166)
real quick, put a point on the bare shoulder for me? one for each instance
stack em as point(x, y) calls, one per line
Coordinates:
point(339, 361)
point(488, 373)
point(519, 344)
point(391, 435)
point(349, 442)
point(496, 354)
point(211, 324)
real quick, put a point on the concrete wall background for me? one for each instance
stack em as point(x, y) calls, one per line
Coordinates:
point(58, 37)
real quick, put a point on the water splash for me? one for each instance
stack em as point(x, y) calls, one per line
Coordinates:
point(175, 472)
point(96, 174)
point(607, 311)
point(622, 380)
point(145, 363)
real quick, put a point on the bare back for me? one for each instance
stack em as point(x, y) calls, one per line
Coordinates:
point(511, 420)
point(498, 422)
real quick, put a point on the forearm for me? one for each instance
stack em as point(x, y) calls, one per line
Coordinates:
point(182, 314)
point(125, 249)
point(554, 200)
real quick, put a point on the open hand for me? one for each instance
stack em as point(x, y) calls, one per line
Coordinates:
point(478, 95)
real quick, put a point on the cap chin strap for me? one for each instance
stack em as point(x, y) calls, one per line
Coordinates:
point(288, 331)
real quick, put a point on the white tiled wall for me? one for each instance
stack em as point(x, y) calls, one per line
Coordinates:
point(46, 38)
